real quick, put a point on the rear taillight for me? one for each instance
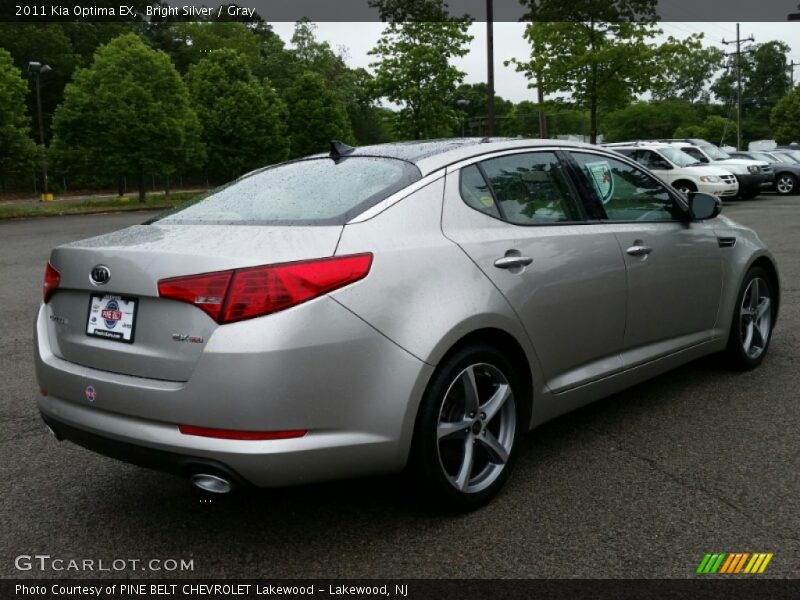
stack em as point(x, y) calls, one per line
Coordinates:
point(52, 279)
point(206, 292)
point(230, 296)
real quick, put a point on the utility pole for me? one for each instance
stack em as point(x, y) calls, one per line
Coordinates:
point(792, 66)
point(738, 43)
point(490, 63)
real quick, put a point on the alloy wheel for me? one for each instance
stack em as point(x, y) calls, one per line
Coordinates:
point(785, 184)
point(476, 427)
point(755, 317)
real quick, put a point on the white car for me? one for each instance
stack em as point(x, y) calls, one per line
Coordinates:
point(681, 170)
point(755, 176)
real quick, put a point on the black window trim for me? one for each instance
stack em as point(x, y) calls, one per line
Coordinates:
point(580, 204)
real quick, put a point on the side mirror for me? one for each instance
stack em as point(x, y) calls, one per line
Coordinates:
point(703, 206)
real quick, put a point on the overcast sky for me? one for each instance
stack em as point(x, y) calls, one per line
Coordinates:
point(359, 38)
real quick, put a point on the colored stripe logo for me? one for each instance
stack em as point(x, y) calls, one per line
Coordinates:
point(734, 563)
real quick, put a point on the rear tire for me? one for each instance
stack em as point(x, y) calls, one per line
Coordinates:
point(753, 317)
point(785, 184)
point(467, 429)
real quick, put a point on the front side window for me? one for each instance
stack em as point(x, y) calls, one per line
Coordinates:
point(650, 159)
point(531, 189)
point(626, 192)
point(695, 153)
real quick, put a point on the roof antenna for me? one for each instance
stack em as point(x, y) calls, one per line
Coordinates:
point(339, 150)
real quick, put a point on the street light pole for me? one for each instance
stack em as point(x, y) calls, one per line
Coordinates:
point(490, 124)
point(36, 69)
point(462, 103)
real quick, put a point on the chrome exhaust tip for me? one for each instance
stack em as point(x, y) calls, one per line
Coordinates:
point(211, 483)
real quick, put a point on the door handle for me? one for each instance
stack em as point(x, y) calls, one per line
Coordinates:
point(510, 262)
point(639, 250)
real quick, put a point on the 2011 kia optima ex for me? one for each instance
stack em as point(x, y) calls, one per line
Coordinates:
point(418, 304)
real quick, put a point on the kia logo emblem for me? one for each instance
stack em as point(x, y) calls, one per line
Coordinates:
point(100, 275)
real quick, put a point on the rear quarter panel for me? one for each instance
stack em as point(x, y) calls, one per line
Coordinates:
point(423, 292)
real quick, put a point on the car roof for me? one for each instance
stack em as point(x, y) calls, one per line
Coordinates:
point(638, 145)
point(432, 155)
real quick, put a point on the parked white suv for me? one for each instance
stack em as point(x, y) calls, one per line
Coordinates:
point(679, 169)
point(754, 176)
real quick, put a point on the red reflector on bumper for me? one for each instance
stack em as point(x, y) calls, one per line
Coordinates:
point(235, 434)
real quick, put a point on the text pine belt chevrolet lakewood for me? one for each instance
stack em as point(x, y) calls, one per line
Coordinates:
point(414, 304)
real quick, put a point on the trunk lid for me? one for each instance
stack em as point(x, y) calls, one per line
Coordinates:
point(168, 336)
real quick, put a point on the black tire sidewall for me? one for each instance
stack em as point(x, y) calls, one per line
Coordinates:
point(425, 457)
point(736, 353)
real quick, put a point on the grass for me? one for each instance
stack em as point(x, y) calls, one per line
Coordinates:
point(85, 207)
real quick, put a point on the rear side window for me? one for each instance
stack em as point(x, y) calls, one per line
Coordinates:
point(476, 193)
point(306, 192)
point(527, 188)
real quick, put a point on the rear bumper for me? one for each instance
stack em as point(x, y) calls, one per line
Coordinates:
point(352, 389)
point(161, 460)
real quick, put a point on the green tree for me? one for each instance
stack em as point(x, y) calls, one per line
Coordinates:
point(194, 41)
point(414, 67)
point(688, 72)
point(17, 149)
point(475, 111)
point(127, 114)
point(785, 118)
point(603, 65)
point(647, 120)
point(244, 121)
point(316, 116)
point(47, 44)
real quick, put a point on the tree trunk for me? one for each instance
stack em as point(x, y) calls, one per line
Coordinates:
point(166, 187)
point(141, 184)
point(540, 99)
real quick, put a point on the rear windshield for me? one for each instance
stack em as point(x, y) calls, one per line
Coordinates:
point(317, 191)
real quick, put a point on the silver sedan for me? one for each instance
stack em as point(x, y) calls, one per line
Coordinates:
point(414, 305)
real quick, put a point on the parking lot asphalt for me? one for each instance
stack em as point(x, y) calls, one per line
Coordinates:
point(641, 484)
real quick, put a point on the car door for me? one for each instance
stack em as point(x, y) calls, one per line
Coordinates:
point(674, 266)
point(519, 218)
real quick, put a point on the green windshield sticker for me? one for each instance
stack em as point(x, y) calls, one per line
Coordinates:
point(600, 172)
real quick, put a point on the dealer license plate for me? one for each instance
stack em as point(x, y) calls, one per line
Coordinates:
point(111, 317)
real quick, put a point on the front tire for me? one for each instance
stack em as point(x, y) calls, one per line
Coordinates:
point(467, 428)
point(786, 184)
point(754, 315)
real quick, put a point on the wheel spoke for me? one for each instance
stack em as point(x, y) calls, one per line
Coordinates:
point(497, 453)
point(496, 402)
point(452, 429)
point(470, 391)
point(748, 338)
point(465, 471)
point(754, 295)
point(763, 308)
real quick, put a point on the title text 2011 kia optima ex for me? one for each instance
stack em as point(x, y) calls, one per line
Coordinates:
point(419, 304)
